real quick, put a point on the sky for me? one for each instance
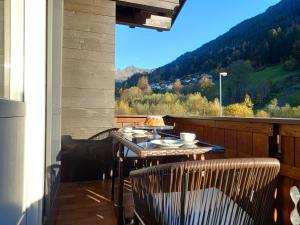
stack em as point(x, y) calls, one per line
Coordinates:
point(199, 21)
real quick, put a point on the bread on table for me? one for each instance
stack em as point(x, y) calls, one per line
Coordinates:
point(154, 121)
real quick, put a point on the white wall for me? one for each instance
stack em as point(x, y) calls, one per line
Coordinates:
point(11, 162)
point(35, 98)
point(54, 74)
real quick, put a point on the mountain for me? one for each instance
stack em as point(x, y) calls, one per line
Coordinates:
point(123, 74)
point(264, 39)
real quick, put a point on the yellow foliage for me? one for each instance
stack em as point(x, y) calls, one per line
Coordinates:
point(238, 110)
point(262, 113)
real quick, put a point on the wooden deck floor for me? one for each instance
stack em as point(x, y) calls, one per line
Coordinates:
point(88, 203)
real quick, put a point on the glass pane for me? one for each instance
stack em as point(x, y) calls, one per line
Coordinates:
point(4, 48)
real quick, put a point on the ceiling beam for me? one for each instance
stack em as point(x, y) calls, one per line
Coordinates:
point(141, 18)
point(164, 7)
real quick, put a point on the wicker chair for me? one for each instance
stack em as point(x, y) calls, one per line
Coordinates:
point(211, 192)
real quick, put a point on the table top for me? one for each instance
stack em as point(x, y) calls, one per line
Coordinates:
point(143, 148)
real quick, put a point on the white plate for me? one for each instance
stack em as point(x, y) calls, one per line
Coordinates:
point(139, 135)
point(168, 143)
point(139, 131)
point(188, 143)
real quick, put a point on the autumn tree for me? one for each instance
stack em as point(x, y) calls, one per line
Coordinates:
point(143, 84)
point(205, 83)
point(244, 109)
point(131, 93)
point(177, 86)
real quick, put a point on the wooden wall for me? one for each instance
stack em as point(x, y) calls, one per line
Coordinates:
point(290, 169)
point(127, 121)
point(88, 67)
point(240, 138)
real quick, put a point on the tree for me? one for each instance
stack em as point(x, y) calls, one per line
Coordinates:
point(238, 72)
point(131, 93)
point(291, 64)
point(143, 84)
point(177, 86)
point(248, 102)
point(262, 113)
point(244, 109)
point(238, 109)
point(205, 82)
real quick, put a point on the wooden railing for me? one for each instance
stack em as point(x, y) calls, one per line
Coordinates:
point(247, 137)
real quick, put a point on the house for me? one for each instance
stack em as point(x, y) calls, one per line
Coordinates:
point(57, 78)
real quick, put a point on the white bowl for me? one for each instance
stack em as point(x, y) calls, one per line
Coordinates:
point(187, 137)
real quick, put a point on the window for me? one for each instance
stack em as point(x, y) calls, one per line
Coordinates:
point(11, 49)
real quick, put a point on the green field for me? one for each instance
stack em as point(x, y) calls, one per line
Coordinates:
point(281, 84)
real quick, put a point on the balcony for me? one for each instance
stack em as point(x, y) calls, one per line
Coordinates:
point(89, 202)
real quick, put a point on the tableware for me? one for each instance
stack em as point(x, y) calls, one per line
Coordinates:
point(127, 129)
point(139, 131)
point(187, 137)
point(140, 135)
point(165, 143)
point(190, 143)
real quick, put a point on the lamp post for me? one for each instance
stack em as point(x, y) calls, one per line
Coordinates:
point(223, 74)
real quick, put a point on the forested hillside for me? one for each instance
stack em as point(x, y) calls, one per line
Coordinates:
point(250, 51)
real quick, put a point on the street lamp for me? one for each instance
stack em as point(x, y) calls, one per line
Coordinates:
point(223, 74)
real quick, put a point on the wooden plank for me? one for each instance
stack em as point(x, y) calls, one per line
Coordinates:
point(244, 143)
point(83, 132)
point(87, 98)
point(287, 148)
point(83, 117)
point(86, 8)
point(230, 140)
point(290, 171)
point(284, 202)
point(260, 145)
point(110, 5)
point(219, 137)
point(195, 122)
point(289, 130)
point(88, 55)
point(209, 135)
point(159, 6)
point(297, 153)
point(143, 19)
point(87, 203)
point(81, 22)
point(86, 74)
point(247, 126)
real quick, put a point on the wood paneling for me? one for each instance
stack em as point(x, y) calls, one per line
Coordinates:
point(88, 67)
point(244, 144)
point(287, 148)
point(129, 121)
point(86, 203)
point(260, 145)
point(159, 6)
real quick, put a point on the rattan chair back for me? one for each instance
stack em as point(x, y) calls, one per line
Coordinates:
point(211, 192)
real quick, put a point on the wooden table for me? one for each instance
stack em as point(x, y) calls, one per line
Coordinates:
point(143, 149)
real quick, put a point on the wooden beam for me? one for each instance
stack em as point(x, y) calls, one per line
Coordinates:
point(142, 18)
point(167, 8)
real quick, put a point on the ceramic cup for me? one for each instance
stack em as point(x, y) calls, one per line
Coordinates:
point(187, 137)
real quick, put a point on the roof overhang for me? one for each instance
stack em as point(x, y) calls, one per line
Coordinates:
point(155, 14)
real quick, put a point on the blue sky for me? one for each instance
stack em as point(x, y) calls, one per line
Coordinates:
point(198, 22)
